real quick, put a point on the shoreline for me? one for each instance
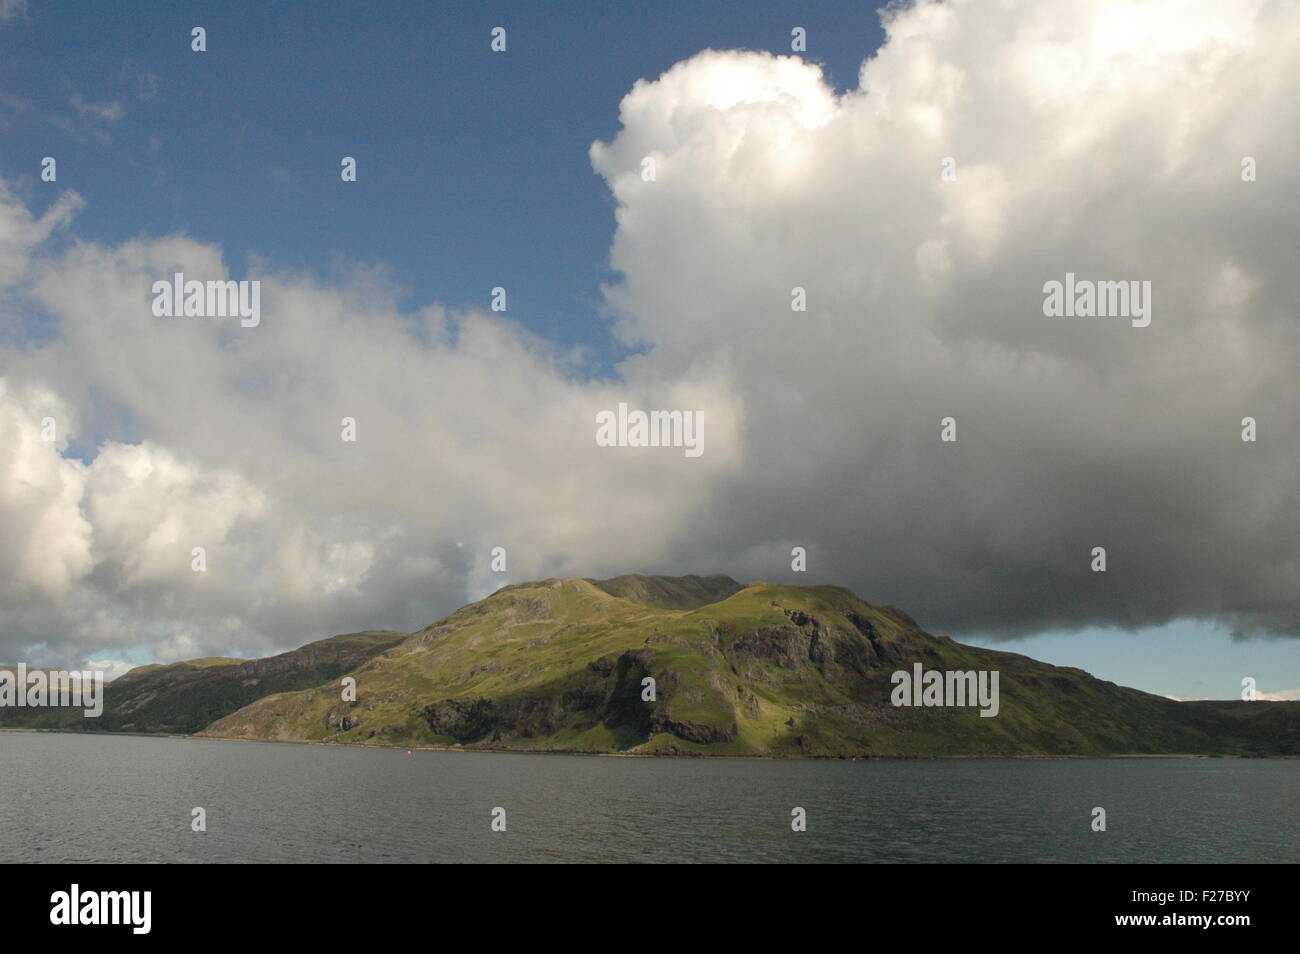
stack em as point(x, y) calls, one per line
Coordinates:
point(500, 750)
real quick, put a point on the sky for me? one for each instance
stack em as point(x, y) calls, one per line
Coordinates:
point(1105, 140)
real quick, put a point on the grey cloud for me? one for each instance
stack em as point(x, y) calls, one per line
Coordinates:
point(1109, 154)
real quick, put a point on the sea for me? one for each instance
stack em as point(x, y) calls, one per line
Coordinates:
point(68, 798)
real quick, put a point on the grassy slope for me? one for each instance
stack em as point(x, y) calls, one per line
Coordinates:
point(769, 669)
point(670, 592)
point(185, 697)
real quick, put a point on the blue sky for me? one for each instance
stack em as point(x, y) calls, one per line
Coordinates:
point(1190, 660)
point(472, 165)
point(473, 171)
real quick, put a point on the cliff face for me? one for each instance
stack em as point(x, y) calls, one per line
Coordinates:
point(765, 669)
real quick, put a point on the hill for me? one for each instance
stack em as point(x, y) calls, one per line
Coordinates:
point(765, 669)
point(185, 697)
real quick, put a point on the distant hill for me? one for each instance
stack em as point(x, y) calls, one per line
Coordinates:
point(764, 669)
point(185, 697)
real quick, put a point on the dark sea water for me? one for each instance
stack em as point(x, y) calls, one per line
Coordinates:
point(82, 798)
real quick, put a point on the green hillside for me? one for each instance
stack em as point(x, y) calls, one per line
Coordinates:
point(765, 669)
point(185, 697)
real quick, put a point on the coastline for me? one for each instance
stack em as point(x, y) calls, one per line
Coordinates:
point(502, 750)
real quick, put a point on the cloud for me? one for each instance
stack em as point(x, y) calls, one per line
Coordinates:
point(45, 547)
point(1103, 139)
point(20, 231)
point(12, 10)
point(199, 433)
point(108, 113)
point(1282, 695)
point(150, 509)
point(90, 120)
point(139, 81)
point(111, 668)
